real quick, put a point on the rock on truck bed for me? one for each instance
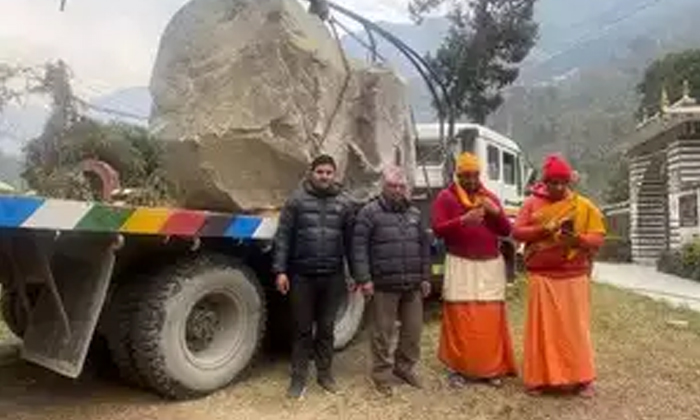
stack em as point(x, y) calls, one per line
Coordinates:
point(247, 92)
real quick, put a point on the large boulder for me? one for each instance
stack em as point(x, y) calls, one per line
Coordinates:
point(249, 91)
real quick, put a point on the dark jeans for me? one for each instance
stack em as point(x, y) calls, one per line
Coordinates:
point(315, 301)
point(387, 308)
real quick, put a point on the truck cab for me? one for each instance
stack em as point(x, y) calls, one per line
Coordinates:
point(503, 161)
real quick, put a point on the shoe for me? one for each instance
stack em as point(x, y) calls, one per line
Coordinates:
point(495, 382)
point(409, 377)
point(534, 392)
point(586, 391)
point(328, 383)
point(384, 388)
point(455, 380)
point(296, 389)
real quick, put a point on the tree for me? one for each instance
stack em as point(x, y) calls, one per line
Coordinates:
point(16, 82)
point(618, 188)
point(53, 160)
point(670, 72)
point(485, 43)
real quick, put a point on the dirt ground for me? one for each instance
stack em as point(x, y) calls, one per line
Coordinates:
point(648, 365)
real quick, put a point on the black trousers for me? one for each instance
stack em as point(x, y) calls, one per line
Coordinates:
point(315, 302)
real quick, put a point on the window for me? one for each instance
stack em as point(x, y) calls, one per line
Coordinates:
point(494, 163)
point(688, 209)
point(691, 130)
point(509, 165)
point(429, 154)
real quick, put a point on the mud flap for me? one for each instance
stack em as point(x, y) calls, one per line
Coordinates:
point(61, 324)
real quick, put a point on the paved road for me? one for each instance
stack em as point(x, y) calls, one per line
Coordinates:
point(647, 281)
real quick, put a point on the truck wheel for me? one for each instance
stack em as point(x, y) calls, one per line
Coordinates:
point(198, 326)
point(349, 319)
point(119, 320)
point(12, 311)
point(13, 314)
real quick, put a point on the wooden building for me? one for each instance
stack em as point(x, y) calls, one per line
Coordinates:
point(664, 171)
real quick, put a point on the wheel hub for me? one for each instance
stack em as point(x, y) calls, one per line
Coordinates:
point(212, 329)
point(202, 324)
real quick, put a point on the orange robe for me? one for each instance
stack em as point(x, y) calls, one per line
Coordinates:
point(474, 338)
point(558, 350)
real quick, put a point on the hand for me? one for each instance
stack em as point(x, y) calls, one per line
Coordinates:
point(425, 288)
point(570, 238)
point(490, 207)
point(282, 282)
point(367, 288)
point(473, 216)
point(551, 227)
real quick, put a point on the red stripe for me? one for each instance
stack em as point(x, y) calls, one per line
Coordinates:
point(184, 223)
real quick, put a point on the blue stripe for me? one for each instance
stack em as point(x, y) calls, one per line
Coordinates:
point(243, 227)
point(15, 210)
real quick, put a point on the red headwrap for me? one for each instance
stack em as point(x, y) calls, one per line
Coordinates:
point(556, 167)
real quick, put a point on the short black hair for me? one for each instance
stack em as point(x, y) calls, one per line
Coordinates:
point(323, 160)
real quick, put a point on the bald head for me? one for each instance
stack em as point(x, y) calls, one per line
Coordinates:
point(395, 183)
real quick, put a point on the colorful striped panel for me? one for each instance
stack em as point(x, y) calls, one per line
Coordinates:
point(67, 215)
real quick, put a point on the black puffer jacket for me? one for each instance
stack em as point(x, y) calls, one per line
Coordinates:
point(314, 232)
point(391, 246)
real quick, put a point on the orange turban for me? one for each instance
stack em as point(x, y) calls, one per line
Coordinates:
point(556, 167)
point(467, 162)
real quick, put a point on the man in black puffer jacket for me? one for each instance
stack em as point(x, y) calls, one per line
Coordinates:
point(311, 245)
point(391, 261)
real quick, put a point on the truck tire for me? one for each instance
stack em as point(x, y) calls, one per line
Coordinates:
point(349, 319)
point(13, 314)
point(12, 311)
point(198, 326)
point(119, 320)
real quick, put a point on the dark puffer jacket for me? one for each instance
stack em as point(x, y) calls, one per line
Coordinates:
point(314, 232)
point(391, 246)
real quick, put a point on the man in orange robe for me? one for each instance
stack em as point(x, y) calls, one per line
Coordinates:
point(474, 341)
point(561, 230)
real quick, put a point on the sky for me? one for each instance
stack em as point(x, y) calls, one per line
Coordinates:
point(111, 44)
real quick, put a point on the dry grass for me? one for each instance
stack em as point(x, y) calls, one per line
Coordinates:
point(648, 369)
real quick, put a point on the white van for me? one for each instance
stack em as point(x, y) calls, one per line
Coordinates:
point(504, 165)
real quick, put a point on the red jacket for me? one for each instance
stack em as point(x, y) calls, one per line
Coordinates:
point(478, 241)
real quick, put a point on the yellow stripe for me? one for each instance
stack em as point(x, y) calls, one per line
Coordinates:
point(146, 220)
point(438, 269)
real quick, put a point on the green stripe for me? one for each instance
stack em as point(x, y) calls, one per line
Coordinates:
point(103, 218)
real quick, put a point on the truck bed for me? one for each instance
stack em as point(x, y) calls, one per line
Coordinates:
point(27, 212)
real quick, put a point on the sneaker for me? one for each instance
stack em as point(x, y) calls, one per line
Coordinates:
point(296, 389)
point(328, 383)
point(409, 377)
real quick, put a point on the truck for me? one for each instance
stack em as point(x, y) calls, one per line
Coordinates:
point(183, 298)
